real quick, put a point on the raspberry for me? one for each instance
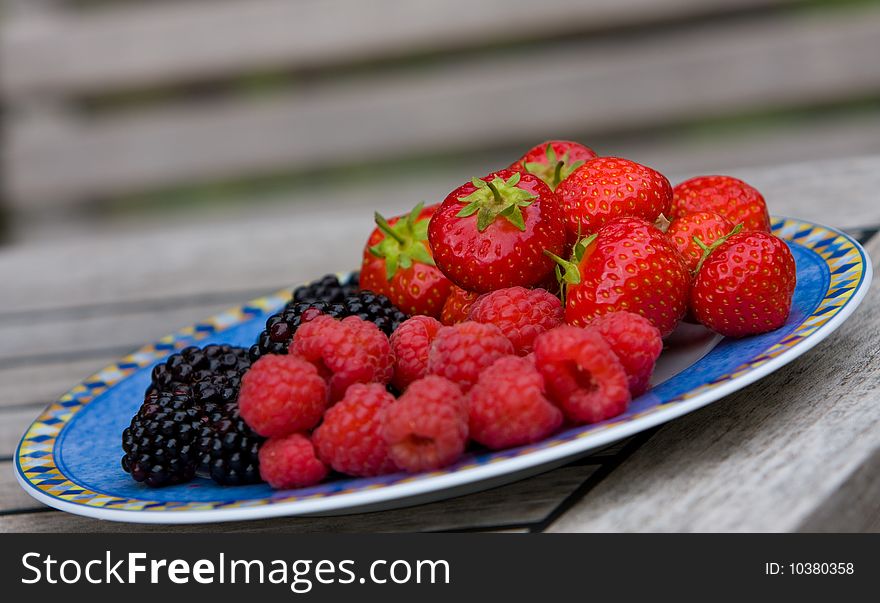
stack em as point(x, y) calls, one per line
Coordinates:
point(281, 395)
point(410, 344)
point(350, 439)
point(462, 351)
point(507, 406)
point(426, 428)
point(582, 374)
point(457, 305)
point(637, 344)
point(521, 314)
point(290, 462)
point(348, 351)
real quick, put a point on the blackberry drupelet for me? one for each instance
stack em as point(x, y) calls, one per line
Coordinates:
point(327, 289)
point(222, 365)
point(230, 448)
point(205, 383)
point(161, 443)
point(281, 326)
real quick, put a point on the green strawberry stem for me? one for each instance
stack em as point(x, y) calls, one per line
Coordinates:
point(497, 198)
point(708, 249)
point(386, 228)
point(568, 272)
point(405, 242)
point(557, 174)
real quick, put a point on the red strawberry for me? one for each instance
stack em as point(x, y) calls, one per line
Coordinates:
point(609, 187)
point(457, 306)
point(694, 234)
point(745, 286)
point(628, 265)
point(553, 161)
point(732, 198)
point(398, 264)
point(491, 232)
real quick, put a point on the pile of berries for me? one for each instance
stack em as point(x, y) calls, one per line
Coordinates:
point(529, 300)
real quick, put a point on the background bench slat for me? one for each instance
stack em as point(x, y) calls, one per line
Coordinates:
point(577, 87)
point(292, 244)
point(137, 45)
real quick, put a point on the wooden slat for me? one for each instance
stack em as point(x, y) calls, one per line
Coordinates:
point(109, 330)
point(13, 423)
point(277, 245)
point(12, 496)
point(776, 456)
point(35, 384)
point(522, 502)
point(597, 86)
point(143, 44)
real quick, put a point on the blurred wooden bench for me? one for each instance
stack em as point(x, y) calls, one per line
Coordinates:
point(113, 99)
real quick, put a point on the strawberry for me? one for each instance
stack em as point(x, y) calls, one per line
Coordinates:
point(628, 265)
point(609, 187)
point(730, 197)
point(397, 263)
point(491, 232)
point(457, 306)
point(745, 286)
point(553, 161)
point(694, 234)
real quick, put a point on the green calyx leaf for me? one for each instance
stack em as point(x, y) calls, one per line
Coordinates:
point(568, 272)
point(497, 198)
point(554, 170)
point(405, 242)
point(708, 249)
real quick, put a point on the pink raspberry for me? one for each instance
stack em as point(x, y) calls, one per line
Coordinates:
point(290, 462)
point(582, 374)
point(636, 342)
point(350, 439)
point(348, 351)
point(410, 343)
point(521, 314)
point(507, 406)
point(462, 351)
point(281, 395)
point(426, 428)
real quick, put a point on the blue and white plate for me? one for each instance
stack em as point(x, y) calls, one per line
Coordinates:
point(69, 458)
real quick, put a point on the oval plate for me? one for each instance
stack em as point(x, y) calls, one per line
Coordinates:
point(69, 458)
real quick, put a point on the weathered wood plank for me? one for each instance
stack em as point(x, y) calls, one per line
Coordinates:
point(13, 422)
point(141, 45)
point(276, 245)
point(776, 456)
point(38, 383)
point(110, 330)
point(12, 496)
point(515, 504)
point(600, 85)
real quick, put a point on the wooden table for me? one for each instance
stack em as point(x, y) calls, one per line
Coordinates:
point(799, 450)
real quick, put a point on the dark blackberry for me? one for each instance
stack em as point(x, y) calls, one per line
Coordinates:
point(327, 289)
point(195, 365)
point(161, 443)
point(222, 446)
point(281, 326)
point(230, 448)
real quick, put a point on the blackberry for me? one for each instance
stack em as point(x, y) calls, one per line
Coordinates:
point(194, 365)
point(205, 382)
point(327, 289)
point(161, 443)
point(229, 447)
point(281, 326)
